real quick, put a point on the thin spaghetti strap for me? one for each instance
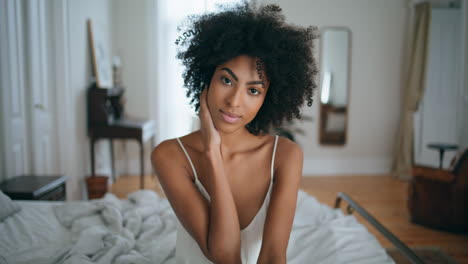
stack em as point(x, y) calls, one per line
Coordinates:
point(188, 157)
point(273, 158)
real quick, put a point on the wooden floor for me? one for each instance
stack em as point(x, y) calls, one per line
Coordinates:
point(382, 196)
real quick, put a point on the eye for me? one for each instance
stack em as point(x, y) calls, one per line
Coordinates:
point(226, 80)
point(254, 91)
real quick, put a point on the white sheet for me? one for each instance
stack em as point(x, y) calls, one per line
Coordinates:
point(33, 234)
point(138, 230)
point(142, 230)
point(322, 235)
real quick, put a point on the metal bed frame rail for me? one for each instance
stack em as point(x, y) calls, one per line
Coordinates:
point(352, 205)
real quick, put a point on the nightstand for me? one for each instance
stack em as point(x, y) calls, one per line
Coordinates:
point(35, 187)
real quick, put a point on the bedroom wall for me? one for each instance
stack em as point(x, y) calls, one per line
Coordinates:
point(130, 42)
point(133, 41)
point(2, 147)
point(378, 30)
point(464, 139)
point(2, 166)
point(80, 73)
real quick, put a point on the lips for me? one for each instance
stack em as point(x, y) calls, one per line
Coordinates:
point(229, 117)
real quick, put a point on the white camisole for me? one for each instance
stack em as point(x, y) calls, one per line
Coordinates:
point(187, 249)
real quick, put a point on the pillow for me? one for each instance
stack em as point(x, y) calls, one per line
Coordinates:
point(7, 207)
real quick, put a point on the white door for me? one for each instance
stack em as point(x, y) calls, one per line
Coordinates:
point(14, 117)
point(39, 88)
point(27, 137)
point(439, 115)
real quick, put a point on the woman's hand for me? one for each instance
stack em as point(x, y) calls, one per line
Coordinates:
point(211, 137)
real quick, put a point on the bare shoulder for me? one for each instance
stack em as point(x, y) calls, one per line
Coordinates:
point(163, 150)
point(289, 160)
point(168, 159)
point(287, 151)
point(171, 150)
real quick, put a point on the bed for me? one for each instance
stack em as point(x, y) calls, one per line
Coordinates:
point(142, 229)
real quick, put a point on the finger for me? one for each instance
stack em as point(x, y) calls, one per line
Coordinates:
point(203, 106)
point(205, 113)
point(206, 101)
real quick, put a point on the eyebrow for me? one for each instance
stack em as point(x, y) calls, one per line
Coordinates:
point(237, 79)
point(231, 73)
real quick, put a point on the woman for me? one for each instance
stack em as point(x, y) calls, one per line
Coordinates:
point(232, 185)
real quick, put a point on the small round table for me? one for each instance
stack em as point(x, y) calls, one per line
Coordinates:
point(442, 147)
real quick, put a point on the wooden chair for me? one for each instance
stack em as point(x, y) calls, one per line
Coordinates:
point(438, 198)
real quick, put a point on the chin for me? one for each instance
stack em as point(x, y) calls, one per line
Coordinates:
point(226, 128)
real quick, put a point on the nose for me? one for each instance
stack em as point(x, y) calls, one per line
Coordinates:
point(234, 98)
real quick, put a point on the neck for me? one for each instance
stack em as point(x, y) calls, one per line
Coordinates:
point(235, 142)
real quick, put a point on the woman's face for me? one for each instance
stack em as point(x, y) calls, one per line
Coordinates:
point(236, 93)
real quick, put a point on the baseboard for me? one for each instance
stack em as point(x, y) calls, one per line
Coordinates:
point(323, 167)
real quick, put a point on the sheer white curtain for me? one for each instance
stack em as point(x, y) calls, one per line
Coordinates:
point(175, 116)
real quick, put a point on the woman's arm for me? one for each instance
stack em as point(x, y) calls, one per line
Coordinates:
point(282, 207)
point(224, 228)
point(214, 226)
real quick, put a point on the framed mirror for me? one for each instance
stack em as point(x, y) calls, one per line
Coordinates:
point(335, 57)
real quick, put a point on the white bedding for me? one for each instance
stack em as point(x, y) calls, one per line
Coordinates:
point(32, 233)
point(141, 229)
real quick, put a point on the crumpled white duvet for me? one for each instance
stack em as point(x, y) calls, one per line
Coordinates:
point(142, 229)
point(138, 230)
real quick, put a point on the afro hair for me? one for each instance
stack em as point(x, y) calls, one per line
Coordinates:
point(285, 51)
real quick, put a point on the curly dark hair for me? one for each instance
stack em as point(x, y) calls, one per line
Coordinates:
point(284, 50)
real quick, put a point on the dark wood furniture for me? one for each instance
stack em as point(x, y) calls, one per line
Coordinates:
point(104, 106)
point(106, 121)
point(331, 137)
point(139, 130)
point(442, 147)
point(35, 187)
point(438, 198)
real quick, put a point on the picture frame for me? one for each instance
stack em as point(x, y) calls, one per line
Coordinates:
point(102, 68)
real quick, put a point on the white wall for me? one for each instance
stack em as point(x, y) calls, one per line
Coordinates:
point(80, 72)
point(3, 175)
point(133, 36)
point(464, 134)
point(378, 31)
point(131, 42)
point(2, 161)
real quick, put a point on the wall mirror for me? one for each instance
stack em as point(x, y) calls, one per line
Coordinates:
point(335, 57)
